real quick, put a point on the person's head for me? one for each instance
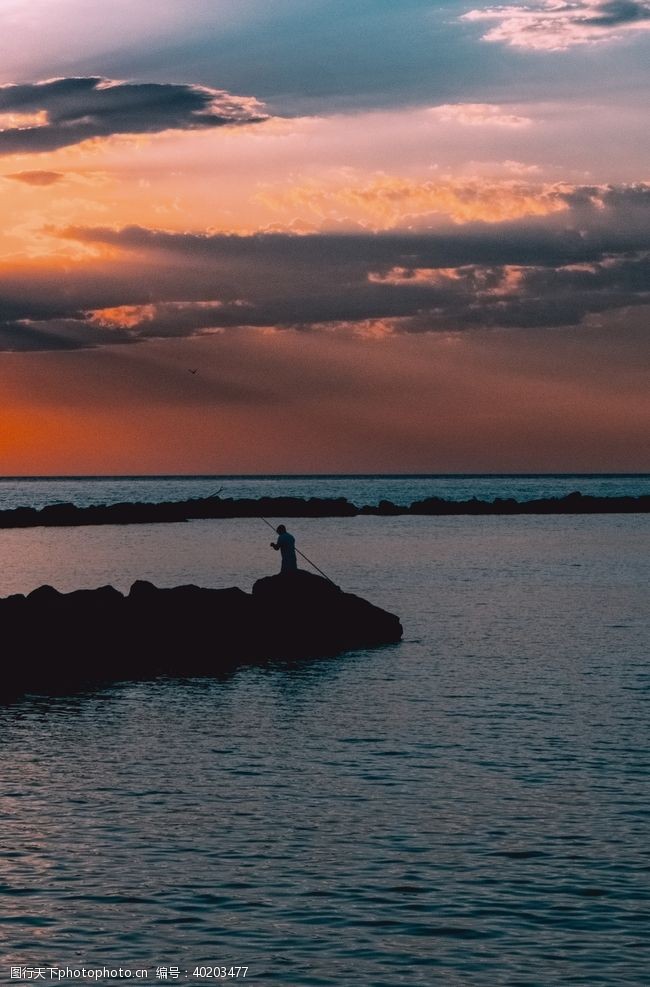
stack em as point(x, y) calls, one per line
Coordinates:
point(280, 529)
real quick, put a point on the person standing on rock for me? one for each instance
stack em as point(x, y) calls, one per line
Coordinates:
point(286, 545)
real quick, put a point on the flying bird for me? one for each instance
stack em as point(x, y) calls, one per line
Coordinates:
point(193, 371)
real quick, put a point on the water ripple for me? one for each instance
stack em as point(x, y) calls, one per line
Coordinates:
point(404, 816)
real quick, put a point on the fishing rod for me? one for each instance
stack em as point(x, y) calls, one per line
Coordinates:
point(302, 555)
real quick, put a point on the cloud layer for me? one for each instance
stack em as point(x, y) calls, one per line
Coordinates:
point(45, 116)
point(386, 201)
point(548, 271)
point(555, 25)
point(37, 178)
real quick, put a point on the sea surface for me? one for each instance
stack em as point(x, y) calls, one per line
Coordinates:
point(469, 807)
point(84, 491)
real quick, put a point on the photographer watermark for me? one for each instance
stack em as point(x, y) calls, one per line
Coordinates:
point(106, 974)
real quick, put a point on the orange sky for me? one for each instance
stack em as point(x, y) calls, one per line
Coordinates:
point(418, 282)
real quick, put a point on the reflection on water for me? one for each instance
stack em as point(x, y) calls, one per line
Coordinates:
point(469, 807)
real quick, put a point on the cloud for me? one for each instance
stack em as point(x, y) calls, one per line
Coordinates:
point(45, 116)
point(169, 319)
point(555, 25)
point(555, 270)
point(531, 297)
point(48, 335)
point(413, 300)
point(387, 201)
point(36, 177)
point(478, 115)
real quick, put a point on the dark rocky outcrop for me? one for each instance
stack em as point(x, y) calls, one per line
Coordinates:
point(65, 641)
point(60, 515)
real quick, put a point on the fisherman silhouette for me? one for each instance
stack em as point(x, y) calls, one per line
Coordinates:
point(286, 544)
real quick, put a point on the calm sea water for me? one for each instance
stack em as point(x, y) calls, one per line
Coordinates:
point(469, 807)
point(360, 490)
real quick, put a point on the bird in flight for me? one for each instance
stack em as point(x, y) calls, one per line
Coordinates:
point(193, 371)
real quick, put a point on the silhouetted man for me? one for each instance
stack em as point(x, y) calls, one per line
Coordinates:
point(286, 544)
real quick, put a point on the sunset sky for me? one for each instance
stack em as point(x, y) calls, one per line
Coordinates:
point(389, 236)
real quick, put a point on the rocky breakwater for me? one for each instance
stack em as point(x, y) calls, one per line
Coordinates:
point(58, 642)
point(212, 508)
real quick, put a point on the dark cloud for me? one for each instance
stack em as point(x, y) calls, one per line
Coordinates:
point(36, 177)
point(426, 300)
point(613, 12)
point(26, 335)
point(76, 109)
point(546, 272)
point(539, 297)
point(302, 260)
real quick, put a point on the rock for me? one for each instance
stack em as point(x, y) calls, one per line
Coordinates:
point(314, 617)
point(67, 641)
point(56, 515)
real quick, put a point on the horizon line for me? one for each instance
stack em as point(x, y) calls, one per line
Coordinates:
point(308, 476)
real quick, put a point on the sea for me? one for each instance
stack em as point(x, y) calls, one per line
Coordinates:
point(468, 807)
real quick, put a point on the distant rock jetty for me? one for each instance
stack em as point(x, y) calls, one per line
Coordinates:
point(68, 641)
point(60, 515)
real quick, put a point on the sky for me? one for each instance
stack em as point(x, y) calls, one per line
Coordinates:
point(388, 237)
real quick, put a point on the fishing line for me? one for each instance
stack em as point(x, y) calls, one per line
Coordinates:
point(301, 554)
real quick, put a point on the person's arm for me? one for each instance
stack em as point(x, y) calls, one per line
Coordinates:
point(274, 545)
